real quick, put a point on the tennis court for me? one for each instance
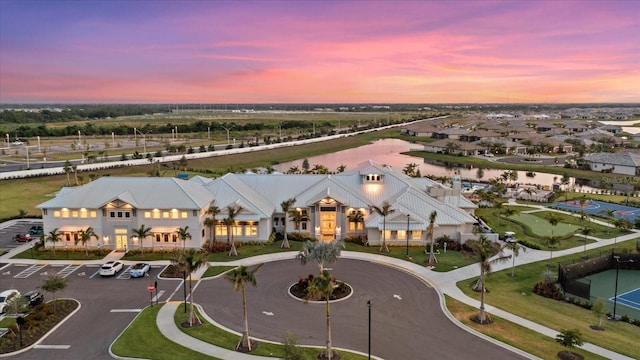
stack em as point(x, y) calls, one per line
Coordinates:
point(603, 286)
point(595, 207)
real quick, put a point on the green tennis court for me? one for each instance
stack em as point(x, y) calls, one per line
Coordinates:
point(603, 286)
point(542, 227)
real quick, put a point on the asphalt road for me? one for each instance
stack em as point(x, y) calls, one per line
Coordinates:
point(407, 322)
point(108, 305)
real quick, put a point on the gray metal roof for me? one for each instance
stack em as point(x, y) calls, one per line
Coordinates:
point(624, 159)
point(140, 192)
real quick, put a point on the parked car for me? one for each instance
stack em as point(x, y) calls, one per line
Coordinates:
point(33, 298)
point(110, 268)
point(8, 297)
point(139, 270)
point(510, 236)
point(23, 237)
point(36, 230)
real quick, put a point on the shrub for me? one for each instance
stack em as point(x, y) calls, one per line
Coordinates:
point(548, 289)
point(357, 239)
point(219, 246)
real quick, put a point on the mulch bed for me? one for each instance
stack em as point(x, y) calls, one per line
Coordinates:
point(567, 355)
point(340, 292)
point(37, 323)
point(172, 272)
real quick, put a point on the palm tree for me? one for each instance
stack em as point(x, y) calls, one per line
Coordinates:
point(211, 224)
point(321, 252)
point(84, 236)
point(322, 286)
point(213, 211)
point(610, 214)
point(586, 231)
point(432, 224)
point(553, 219)
point(232, 212)
point(286, 205)
point(297, 217)
point(142, 233)
point(509, 212)
point(190, 261)
point(356, 217)
point(67, 170)
point(240, 277)
point(384, 211)
point(483, 250)
point(184, 234)
point(515, 248)
point(622, 225)
point(53, 237)
point(552, 241)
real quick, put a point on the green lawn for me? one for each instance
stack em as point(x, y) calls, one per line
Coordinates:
point(515, 295)
point(513, 334)
point(143, 340)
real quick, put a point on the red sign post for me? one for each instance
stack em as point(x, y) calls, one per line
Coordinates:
point(150, 287)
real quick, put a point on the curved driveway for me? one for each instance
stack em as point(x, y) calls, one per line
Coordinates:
point(407, 321)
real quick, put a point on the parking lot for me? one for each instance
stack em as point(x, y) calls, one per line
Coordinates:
point(8, 233)
point(108, 305)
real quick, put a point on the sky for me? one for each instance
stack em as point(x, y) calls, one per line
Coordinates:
point(163, 51)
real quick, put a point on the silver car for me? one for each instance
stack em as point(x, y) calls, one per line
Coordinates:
point(139, 270)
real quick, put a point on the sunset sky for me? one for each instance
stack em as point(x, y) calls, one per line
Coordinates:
point(319, 51)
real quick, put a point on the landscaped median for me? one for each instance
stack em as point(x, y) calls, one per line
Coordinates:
point(143, 339)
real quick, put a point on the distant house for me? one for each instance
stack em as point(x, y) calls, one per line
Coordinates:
point(614, 129)
point(618, 163)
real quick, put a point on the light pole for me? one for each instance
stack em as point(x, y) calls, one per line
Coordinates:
point(407, 234)
point(369, 348)
point(144, 138)
point(615, 292)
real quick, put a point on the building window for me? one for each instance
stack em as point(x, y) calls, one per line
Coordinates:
point(93, 214)
point(83, 213)
point(165, 214)
point(65, 213)
point(174, 237)
point(416, 235)
point(147, 214)
point(166, 237)
point(236, 230)
point(221, 230)
point(402, 234)
point(251, 230)
point(174, 214)
point(56, 213)
point(387, 235)
point(44, 212)
point(304, 225)
point(156, 214)
point(75, 214)
point(202, 232)
point(157, 237)
point(184, 214)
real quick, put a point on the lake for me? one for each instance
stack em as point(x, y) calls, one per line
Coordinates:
point(388, 152)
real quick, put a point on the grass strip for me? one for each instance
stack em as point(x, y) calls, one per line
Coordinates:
point(143, 340)
point(513, 334)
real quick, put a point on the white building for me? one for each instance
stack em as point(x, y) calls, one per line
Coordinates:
point(114, 206)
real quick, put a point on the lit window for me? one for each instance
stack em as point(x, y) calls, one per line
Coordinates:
point(251, 230)
point(93, 214)
point(236, 230)
point(147, 214)
point(75, 214)
point(56, 213)
point(156, 214)
point(165, 214)
point(174, 214)
point(184, 214)
point(65, 213)
point(83, 213)
point(416, 235)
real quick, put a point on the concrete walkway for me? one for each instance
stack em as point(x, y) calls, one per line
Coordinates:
point(443, 282)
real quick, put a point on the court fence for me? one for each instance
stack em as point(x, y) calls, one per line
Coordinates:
point(571, 276)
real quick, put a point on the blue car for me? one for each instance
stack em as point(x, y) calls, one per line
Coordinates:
point(139, 270)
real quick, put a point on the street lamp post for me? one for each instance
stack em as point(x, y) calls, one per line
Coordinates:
point(144, 138)
point(615, 291)
point(369, 347)
point(227, 134)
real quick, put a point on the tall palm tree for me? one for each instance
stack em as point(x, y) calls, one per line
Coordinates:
point(320, 252)
point(142, 233)
point(211, 224)
point(553, 219)
point(622, 225)
point(190, 261)
point(67, 170)
point(232, 213)
point(483, 250)
point(240, 277)
point(515, 248)
point(432, 225)
point(53, 237)
point(610, 214)
point(586, 231)
point(322, 286)
point(286, 205)
point(384, 211)
point(184, 234)
point(508, 213)
point(213, 211)
point(84, 236)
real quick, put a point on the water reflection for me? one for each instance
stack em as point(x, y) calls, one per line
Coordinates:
point(388, 152)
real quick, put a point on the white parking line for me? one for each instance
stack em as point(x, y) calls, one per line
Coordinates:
point(94, 274)
point(57, 347)
point(125, 310)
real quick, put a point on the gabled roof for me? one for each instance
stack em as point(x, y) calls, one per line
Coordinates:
point(623, 159)
point(139, 192)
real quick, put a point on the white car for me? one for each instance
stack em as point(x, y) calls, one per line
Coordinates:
point(110, 268)
point(8, 297)
point(139, 270)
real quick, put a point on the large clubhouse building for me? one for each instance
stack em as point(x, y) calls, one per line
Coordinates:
point(114, 206)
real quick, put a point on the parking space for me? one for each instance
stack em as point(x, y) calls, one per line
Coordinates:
point(8, 234)
point(77, 270)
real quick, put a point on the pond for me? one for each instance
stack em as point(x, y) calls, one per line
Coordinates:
point(388, 152)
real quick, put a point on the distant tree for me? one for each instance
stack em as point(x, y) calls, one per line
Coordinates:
point(190, 261)
point(569, 338)
point(183, 235)
point(53, 237)
point(515, 248)
point(599, 311)
point(432, 224)
point(142, 233)
point(232, 213)
point(320, 252)
point(482, 251)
